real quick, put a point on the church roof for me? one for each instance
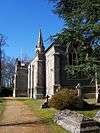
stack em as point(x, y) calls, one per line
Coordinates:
point(52, 44)
point(49, 47)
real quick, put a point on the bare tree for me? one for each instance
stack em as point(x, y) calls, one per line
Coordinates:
point(2, 43)
point(8, 69)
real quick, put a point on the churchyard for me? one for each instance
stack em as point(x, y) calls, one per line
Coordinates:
point(57, 90)
point(25, 115)
point(30, 115)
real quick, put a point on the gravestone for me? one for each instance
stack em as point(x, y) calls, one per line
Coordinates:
point(98, 96)
point(76, 123)
point(45, 104)
point(78, 87)
point(97, 116)
point(97, 93)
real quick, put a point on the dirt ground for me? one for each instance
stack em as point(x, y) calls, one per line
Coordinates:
point(18, 118)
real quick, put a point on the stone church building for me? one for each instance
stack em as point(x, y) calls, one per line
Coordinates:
point(46, 72)
point(20, 79)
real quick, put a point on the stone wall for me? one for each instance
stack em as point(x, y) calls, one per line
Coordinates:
point(32, 78)
point(36, 77)
point(20, 80)
point(50, 71)
point(88, 91)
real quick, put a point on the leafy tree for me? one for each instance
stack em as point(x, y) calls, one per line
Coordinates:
point(74, 12)
point(82, 28)
point(81, 17)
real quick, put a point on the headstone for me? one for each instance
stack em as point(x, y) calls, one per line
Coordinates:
point(76, 123)
point(45, 104)
point(97, 116)
point(78, 87)
point(98, 94)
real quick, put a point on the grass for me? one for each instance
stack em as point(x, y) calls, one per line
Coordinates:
point(90, 101)
point(90, 112)
point(46, 115)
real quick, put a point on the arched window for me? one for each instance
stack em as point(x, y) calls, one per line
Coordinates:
point(72, 56)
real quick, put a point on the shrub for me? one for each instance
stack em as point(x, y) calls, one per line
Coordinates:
point(63, 99)
point(6, 91)
point(67, 99)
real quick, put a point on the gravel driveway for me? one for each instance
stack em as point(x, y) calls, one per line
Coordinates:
point(18, 118)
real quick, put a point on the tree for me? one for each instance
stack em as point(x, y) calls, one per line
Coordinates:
point(8, 69)
point(82, 16)
point(2, 43)
point(74, 12)
point(82, 28)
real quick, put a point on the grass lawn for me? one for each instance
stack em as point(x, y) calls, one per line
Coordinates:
point(46, 115)
point(90, 112)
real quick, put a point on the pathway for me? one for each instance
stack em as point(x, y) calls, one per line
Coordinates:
point(18, 118)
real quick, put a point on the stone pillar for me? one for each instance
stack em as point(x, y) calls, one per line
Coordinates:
point(31, 84)
point(14, 93)
point(35, 93)
point(79, 91)
point(14, 89)
point(96, 86)
point(28, 81)
point(98, 94)
point(40, 86)
point(56, 71)
point(32, 80)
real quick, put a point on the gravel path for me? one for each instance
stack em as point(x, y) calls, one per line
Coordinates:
point(18, 118)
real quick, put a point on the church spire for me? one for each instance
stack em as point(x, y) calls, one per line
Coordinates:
point(40, 40)
point(40, 46)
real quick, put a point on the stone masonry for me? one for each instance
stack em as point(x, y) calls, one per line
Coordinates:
point(36, 72)
point(46, 72)
point(76, 123)
point(20, 79)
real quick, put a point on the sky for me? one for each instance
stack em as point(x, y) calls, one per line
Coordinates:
point(20, 22)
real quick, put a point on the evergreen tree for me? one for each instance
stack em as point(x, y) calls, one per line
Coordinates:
point(82, 28)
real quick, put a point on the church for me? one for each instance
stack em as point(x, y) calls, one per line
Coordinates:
point(20, 79)
point(46, 72)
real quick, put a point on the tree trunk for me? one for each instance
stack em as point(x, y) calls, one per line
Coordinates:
point(96, 86)
point(0, 66)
